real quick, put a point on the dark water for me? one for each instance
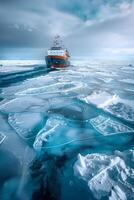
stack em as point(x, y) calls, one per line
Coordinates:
point(49, 117)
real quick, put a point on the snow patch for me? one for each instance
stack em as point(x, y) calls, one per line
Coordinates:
point(101, 98)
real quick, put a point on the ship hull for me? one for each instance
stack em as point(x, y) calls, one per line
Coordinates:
point(56, 62)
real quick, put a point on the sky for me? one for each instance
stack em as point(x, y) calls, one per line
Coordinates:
point(89, 28)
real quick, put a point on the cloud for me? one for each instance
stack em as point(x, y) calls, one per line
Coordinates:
point(89, 27)
point(112, 32)
point(34, 26)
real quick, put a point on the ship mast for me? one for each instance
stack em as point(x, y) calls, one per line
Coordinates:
point(57, 42)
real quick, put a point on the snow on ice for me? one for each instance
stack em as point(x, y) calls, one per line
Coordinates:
point(52, 125)
point(108, 126)
point(112, 103)
point(108, 176)
point(25, 123)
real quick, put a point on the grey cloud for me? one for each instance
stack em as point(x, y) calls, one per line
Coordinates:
point(33, 23)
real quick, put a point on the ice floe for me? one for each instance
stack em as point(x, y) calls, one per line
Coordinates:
point(8, 69)
point(121, 110)
point(13, 66)
point(100, 98)
point(27, 85)
point(112, 103)
point(108, 126)
point(19, 63)
point(52, 125)
point(23, 104)
point(25, 124)
point(53, 88)
point(109, 176)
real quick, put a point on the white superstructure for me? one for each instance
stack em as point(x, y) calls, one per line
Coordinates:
point(60, 52)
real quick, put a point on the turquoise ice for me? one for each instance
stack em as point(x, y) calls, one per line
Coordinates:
point(67, 126)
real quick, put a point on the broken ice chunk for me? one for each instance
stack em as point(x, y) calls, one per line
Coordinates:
point(100, 98)
point(52, 125)
point(82, 165)
point(103, 175)
point(121, 110)
point(108, 126)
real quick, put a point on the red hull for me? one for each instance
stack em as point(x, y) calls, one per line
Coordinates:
point(54, 66)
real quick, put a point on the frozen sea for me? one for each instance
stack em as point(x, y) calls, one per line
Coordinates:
point(66, 133)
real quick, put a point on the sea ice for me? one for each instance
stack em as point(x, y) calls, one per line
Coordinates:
point(108, 176)
point(27, 85)
point(127, 80)
point(2, 137)
point(49, 109)
point(18, 63)
point(121, 110)
point(25, 123)
point(108, 126)
point(23, 104)
point(52, 125)
point(106, 79)
point(100, 98)
point(13, 69)
point(112, 103)
point(53, 88)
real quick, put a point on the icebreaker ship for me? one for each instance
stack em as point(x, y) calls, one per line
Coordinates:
point(57, 56)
